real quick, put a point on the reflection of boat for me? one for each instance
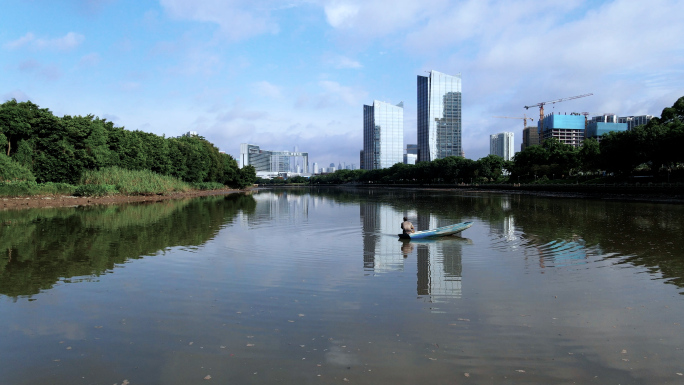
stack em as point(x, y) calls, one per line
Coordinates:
point(441, 240)
point(438, 232)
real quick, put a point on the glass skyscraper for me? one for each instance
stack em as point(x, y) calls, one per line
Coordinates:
point(383, 135)
point(439, 116)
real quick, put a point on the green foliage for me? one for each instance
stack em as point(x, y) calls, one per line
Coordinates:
point(62, 149)
point(208, 186)
point(131, 182)
point(13, 171)
point(44, 246)
point(95, 190)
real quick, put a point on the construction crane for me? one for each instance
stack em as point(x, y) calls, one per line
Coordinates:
point(524, 118)
point(541, 105)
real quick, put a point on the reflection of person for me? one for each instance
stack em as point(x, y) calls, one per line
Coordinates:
point(406, 248)
point(407, 227)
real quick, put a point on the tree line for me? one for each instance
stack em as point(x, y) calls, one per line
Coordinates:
point(36, 143)
point(655, 149)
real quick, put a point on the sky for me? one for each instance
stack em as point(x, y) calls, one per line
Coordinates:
point(296, 74)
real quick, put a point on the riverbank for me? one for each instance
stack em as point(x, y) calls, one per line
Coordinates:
point(16, 203)
point(665, 193)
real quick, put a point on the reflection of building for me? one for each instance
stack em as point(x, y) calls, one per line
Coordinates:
point(439, 116)
point(383, 135)
point(501, 145)
point(272, 163)
point(439, 263)
point(381, 253)
point(440, 269)
point(280, 207)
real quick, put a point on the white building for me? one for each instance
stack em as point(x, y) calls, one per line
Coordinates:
point(502, 145)
point(383, 135)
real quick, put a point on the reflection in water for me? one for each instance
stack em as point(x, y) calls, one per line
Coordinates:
point(438, 261)
point(282, 206)
point(40, 247)
point(381, 223)
point(439, 269)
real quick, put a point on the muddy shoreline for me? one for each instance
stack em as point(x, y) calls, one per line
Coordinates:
point(47, 201)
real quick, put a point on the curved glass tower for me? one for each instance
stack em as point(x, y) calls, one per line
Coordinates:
point(439, 116)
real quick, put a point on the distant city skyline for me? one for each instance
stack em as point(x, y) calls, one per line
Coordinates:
point(294, 74)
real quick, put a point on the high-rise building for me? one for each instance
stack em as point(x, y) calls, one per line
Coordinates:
point(502, 145)
point(411, 155)
point(439, 116)
point(383, 135)
point(530, 137)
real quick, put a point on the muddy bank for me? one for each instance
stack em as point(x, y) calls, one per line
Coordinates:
point(15, 203)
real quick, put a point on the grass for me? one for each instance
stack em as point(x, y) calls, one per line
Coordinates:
point(29, 188)
point(108, 181)
point(129, 182)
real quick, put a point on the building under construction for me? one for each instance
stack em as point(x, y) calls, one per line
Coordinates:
point(568, 129)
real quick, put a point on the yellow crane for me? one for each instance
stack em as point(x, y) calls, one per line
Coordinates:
point(524, 118)
point(541, 105)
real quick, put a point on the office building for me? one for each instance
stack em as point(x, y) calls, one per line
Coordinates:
point(502, 145)
point(530, 137)
point(634, 121)
point(439, 116)
point(383, 135)
point(600, 125)
point(411, 155)
point(568, 129)
point(271, 163)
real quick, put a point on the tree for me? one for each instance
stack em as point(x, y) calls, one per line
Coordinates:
point(589, 155)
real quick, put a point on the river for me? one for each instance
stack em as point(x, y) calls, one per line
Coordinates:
point(299, 286)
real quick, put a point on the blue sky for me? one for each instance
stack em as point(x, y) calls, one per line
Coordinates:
point(283, 74)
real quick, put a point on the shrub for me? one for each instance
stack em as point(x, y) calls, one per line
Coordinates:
point(13, 171)
point(134, 182)
point(208, 186)
point(95, 190)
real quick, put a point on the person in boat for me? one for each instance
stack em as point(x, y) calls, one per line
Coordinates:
point(407, 227)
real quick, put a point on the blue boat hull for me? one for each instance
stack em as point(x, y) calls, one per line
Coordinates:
point(438, 232)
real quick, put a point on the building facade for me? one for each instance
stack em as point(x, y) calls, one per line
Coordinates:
point(634, 121)
point(502, 145)
point(271, 162)
point(383, 135)
point(530, 137)
point(600, 125)
point(439, 116)
point(411, 155)
point(568, 129)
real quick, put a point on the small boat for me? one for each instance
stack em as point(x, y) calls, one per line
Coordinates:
point(438, 232)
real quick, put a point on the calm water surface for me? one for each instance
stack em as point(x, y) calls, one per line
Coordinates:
point(312, 286)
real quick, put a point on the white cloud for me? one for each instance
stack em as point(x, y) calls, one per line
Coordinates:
point(65, 43)
point(128, 86)
point(237, 19)
point(19, 95)
point(341, 62)
point(22, 41)
point(341, 14)
point(240, 112)
point(89, 60)
point(264, 88)
point(334, 91)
